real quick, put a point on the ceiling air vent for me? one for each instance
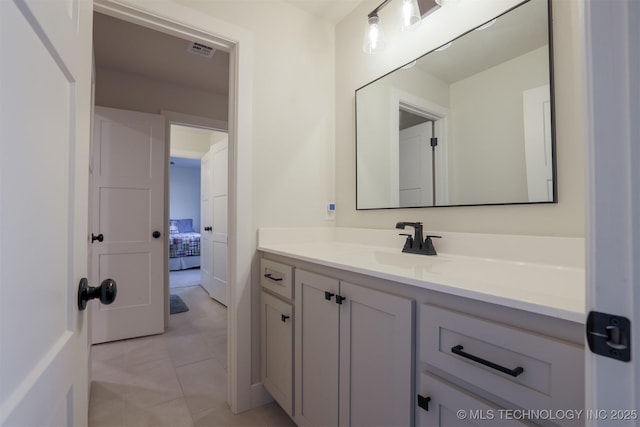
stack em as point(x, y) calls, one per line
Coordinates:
point(201, 49)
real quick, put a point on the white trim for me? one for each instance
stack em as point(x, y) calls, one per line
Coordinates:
point(175, 118)
point(612, 66)
point(431, 110)
point(178, 20)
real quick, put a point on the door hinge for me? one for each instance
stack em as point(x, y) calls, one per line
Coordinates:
point(609, 335)
point(434, 142)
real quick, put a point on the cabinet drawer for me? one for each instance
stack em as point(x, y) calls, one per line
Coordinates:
point(477, 351)
point(451, 406)
point(277, 277)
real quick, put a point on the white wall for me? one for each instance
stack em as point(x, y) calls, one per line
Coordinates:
point(293, 118)
point(293, 108)
point(184, 194)
point(474, 142)
point(128, 91)
point(355, 68)
point(189, 142)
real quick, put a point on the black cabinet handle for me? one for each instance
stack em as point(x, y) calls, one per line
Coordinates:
point(284, 317)
point(513, 372)
point(423, 402)
point(107, 292)
point(275, 279)
point(328, 295)
point(99, 237)
point(339, 299)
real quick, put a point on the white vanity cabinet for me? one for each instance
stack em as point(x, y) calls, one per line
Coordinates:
point(277, 320)
point(353, 354)
point(540, 374)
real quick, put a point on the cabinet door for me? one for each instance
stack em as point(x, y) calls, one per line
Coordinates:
point(277, 350)
point(316, 355)
point(376, 363)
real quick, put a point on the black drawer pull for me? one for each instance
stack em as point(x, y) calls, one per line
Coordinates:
point(513, 372)
point(328, 295)
point(275, 279)
point(284, 317)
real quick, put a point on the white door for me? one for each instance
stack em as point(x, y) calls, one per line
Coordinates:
point(128, 211)
point(219, 195)
point(45, 78)
point(613, 196)
point(537, 143)
point(416, 178)
point(206, 222)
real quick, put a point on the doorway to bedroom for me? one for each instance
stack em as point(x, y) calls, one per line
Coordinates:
point(197, 210)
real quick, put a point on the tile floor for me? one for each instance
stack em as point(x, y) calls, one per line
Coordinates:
point(175, 379)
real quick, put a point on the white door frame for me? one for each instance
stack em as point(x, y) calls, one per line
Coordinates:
point(612, 65)
point(425, 108)
point(181, 21)
point(175, 118)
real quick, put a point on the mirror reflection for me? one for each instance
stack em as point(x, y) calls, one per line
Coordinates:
point(469, 123)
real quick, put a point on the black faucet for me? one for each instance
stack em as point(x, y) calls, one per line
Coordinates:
point(415, 244)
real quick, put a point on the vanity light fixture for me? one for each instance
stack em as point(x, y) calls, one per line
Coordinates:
point(374, 41)
point(410, 15)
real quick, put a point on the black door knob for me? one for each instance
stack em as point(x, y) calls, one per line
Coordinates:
point(99, 237)
point(106, 292)
point(156, 234)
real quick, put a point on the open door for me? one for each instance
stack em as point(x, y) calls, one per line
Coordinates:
point(613, 211)
point(45, 93)
point(219, 199)
point(128, 239)
point(214, 189)
point(206, 221)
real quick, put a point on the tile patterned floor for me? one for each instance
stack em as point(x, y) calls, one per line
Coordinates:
point(176, 379)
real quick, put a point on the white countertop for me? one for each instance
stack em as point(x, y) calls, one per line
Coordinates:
point(527, 281)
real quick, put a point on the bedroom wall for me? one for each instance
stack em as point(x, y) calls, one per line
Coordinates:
point(184, 194)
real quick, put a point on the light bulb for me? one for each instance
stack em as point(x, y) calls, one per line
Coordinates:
point(374, 41)
point(410, 14)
